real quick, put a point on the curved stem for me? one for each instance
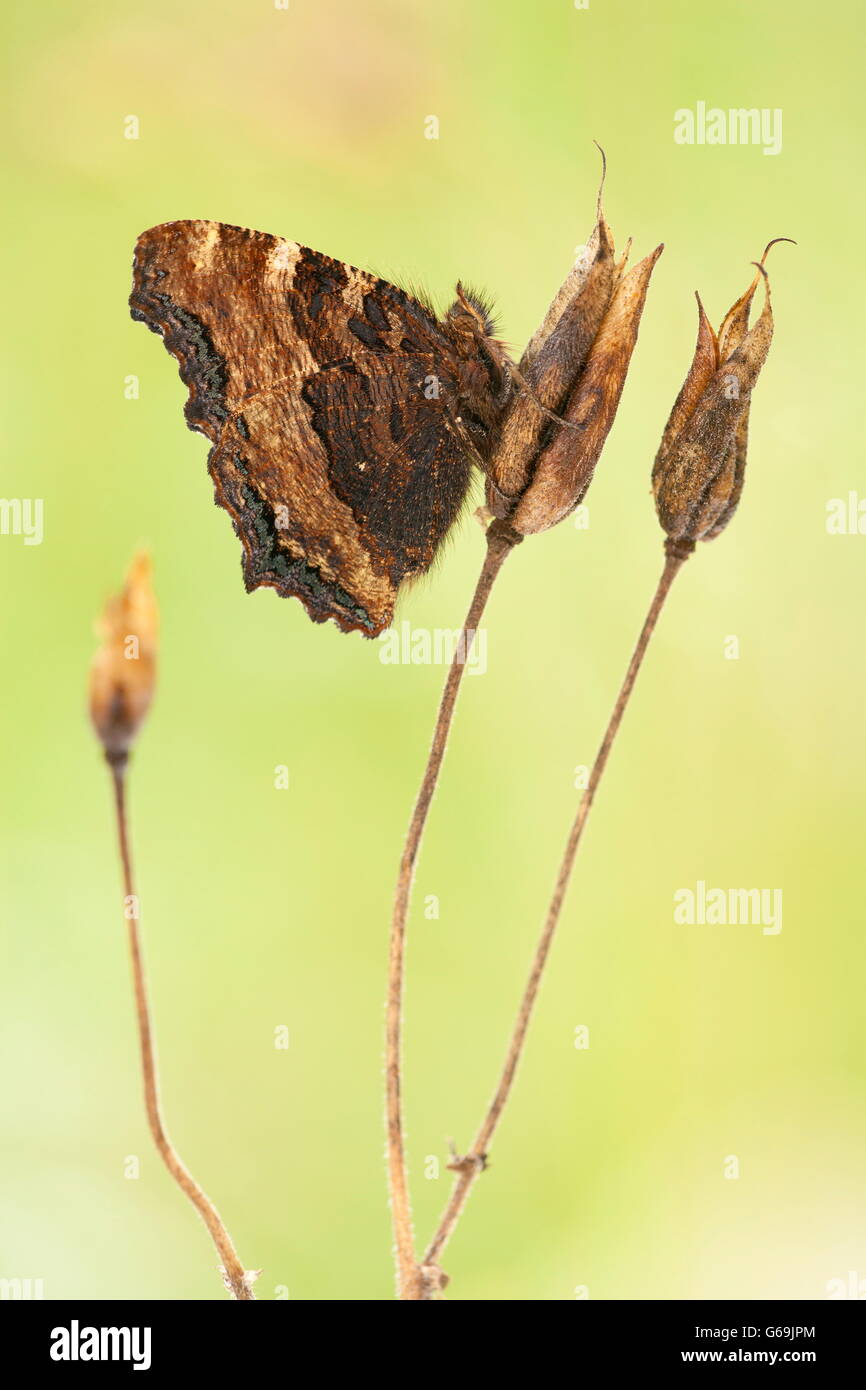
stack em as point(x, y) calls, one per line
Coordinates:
point(469, 1166)
point(237, 1279)
point(500, 541)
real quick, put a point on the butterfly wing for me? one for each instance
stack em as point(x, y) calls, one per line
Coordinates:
point(322, 390)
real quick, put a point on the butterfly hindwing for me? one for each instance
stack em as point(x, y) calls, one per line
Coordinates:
point(322, 390)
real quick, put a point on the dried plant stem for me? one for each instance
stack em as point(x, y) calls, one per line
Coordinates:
point(236, 1278)
point(470, 1165)
point(500, 541)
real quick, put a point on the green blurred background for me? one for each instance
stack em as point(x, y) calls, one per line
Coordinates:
point(264, 907)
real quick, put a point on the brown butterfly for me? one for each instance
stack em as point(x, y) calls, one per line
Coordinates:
point(344, 416)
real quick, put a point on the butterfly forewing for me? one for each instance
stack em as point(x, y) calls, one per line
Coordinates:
point(325, 392)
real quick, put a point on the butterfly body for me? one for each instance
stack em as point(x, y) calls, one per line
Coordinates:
point(344, 417)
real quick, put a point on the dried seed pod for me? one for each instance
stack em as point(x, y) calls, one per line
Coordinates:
point(564, 469)
point(699, 468)
point(537, 474)
point(552, 362)
point(123, 670)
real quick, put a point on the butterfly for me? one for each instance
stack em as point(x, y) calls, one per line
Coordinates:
point(344, 417)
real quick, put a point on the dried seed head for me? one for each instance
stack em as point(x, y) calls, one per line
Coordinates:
point(564, 469)
point(552, 361)
point(123, 670)
point(699, 468)
point(574, 366)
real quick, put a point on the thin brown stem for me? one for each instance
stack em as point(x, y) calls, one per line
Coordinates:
point(237, 1279)
point(410, 1284)
point(470, 1165)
